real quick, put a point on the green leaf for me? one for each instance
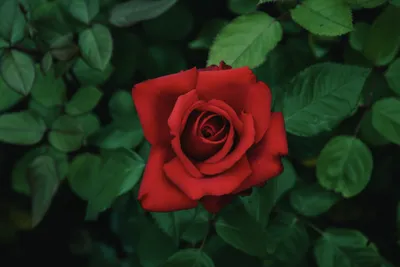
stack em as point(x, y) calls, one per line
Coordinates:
point(21, 128)
point(261, 201)
point(242, 232)
point(395, 2)
point(321, 96)
point(66, 134)
point(18, 71)
point(242, 6)
point(89, 76)
point(345, 248)
point(125, 132)
point(386, 118)
point(20, 169)
point(121, 105)
point(96, 46)
point(12, 27)
point(83, 101)
point(312, 200)
point(163, 60)
point(131, 12)
point(344, 166)
point(246, 41)
point(8, 97)
point(382, 42)
point(324, 17)
point(392, 76)
point(173, 25)
point(49, 115)
point(90, 123)
point(48, 90)
point(366, 3)
point(100, 180)
point(287, 238)
point(190, 225)
point(47, 62)
point(82, 10)
point(368, 133)
point(44, 182)
point(208, 33)
point(358, 37)
point(189, 257)
point(154, 247)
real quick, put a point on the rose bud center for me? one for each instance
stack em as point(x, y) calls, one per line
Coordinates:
point(204, 134)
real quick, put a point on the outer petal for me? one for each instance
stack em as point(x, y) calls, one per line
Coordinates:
point(195, 188)
point(229, 86)
point(265, 159)
point(246, 141)
point(154, 100)
point(156, 192)
point(258, 104)
point(214, 204)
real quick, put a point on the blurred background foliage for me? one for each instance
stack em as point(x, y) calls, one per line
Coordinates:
point(72, 151)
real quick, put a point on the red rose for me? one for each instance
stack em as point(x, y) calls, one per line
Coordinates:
point(213, 136)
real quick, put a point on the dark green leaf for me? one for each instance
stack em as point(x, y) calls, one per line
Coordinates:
point(321, 96)
point(66, 134)
point(48, 90)
point(125, 132)
point(49, 115)
point(89, 76)
point(261, 201)
point(121, 105)
point(190, 225)
point(345, 248)
point(312, 200)
point(386, 119)
point(344, 166)
point(19, 174)
point(96, 46)
point(368, 133)
point(47, 62)
point(8, 97)
point(189, 257)
point(44, 182)
point(358, 37)
point(131, 12)
point(392, 75)
point(82, 10)
point(242, 6)
point(382, 43)
point(90, 123)
point(83, 101)
point(246, 40)
point(12, 26)
point(208, 33)
point(18, 71)
point(100, 180)
point(366, 3)
point(21, 128)
point(242, 232)
point(287, 239)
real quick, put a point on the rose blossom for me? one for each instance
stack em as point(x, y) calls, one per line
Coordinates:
point(213, 136)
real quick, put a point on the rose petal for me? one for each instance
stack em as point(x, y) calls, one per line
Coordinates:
point(265, 158)
point(229, 86)
point(183, 104)
point(258, 104)
point(195, 146)
point(246, 141)
point(154, 100)
point(214, 204)
point(195, 189)
point(157, 193)
point(186, 162)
